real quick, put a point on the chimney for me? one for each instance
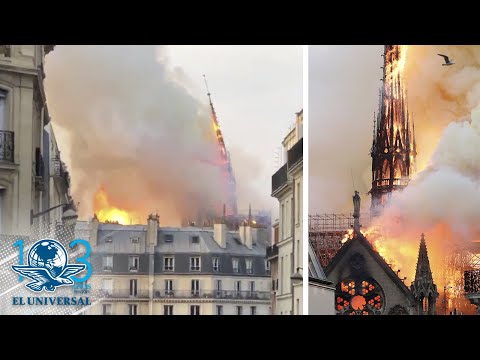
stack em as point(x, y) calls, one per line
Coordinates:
point(220, 234)
point(93, 232)
point(152, 230)
point(249, 236)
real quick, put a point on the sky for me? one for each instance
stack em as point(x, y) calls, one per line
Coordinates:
point(256, 91)
point(343, 95)
point(138, 114)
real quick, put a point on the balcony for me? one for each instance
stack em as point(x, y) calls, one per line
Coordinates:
point(212, 294)
point(7, 146)
point(60, 172)
point(125, 294)
point(279, 178)
point(295, 154)
point(272, 252)
point(386, 183)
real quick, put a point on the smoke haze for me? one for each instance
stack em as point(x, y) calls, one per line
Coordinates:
point(132, 129)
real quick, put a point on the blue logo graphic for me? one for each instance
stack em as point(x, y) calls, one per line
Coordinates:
point(48, 266)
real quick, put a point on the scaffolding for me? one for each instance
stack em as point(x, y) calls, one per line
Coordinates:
point(326, 232)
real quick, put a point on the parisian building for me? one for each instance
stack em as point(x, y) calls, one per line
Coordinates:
point(148, 269)
point(32, 176)
point(285, 254)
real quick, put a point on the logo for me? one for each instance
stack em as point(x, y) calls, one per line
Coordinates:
point(48, 266)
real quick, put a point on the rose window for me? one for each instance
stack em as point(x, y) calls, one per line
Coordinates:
point(359, 297)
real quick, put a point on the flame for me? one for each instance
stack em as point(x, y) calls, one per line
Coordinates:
point(108, 213)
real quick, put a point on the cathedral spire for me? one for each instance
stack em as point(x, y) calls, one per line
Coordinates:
point(392, 158)
point(423, 288)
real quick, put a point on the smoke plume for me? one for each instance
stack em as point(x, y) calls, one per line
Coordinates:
point(133, 130)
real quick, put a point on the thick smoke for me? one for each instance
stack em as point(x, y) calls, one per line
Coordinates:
point(442, 200)
point(132, 129)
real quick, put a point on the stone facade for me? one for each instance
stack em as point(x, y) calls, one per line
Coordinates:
point(152, 270)
point(24, 142)
point(286, 252)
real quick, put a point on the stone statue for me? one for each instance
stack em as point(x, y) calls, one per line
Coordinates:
point(356, 212)
point(356, 205)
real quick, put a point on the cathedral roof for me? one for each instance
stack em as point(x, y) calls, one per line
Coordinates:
point(360, 239)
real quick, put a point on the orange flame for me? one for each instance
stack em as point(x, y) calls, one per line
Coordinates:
point(108, 213)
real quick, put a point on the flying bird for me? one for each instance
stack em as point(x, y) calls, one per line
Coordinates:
point(448, 62)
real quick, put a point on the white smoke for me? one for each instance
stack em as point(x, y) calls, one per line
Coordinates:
point(134, 129)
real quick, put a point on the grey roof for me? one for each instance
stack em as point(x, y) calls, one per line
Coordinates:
point(315, 270)
point(121, 240)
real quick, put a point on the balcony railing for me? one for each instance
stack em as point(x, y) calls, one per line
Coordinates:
point(272, 251)
point(212, 294)
point(472, 281)
point(60, 171)
point(126, 294)
point(386, 182)
point(7, 146)
point(279, 178)
point(295, 154)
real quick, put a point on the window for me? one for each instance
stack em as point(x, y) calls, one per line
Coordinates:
point(108, 262)
point(219, 310)
point(195, 239)
point(235, 265)
point(216, 264)
point(267, 267)
point(107, 309)
point(251, 288)
point(135, 239)
point(132, 309)
point(2, 197)
point(168, 238)
point(195, 263)
point(133, 263)
point(195, 287)
point(194, 309)
point(168, 263)
point(253, 310)
point(238, 288)
point(133, 287)
point(108, 286)
point(239, 310)
point(282, 222)
point(168, 310)
point(359, 296)
point(3, 112)
point(298, 199)
point(169, 291)
point(249, 266)
point(218, 287)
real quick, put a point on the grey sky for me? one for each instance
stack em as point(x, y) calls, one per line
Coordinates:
point(343, 94)
point(256, 91)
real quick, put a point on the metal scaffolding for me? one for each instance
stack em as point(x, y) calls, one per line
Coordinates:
point(326, 232)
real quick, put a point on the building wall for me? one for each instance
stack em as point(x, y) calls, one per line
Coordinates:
point(288, 299)
point(321, 299)
point(25, 113)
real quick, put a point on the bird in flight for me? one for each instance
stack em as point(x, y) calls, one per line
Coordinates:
point(448, 62)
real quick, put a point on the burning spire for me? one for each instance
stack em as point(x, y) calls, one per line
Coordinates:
point(225, 163)
point(393, 148)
